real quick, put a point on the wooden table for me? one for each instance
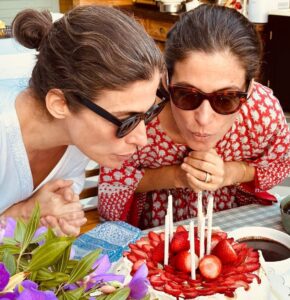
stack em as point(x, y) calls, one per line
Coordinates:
point(93, 219)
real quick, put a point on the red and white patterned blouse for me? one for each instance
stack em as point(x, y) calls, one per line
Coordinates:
point(259, 136)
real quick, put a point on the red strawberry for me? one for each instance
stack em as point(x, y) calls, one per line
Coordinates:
point(180, 228)
point(225, 252)
point(179, 242)
point(143, 241)
point(210, 266)
point(238, 5)
point(169, 290)
point(215, 239)
point(158, 253)
point(182, 261)
point(153, 236)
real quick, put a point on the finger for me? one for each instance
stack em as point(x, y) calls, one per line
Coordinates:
point(198, 186)
point(73, 216)
point(67, 193)
point(43, 222)
point(200, 165)
point(196, 173)
point(78, 222)
point(68, 229)
point(55, 185)
point(53, 223)
point(204, 156)
point(71, 207)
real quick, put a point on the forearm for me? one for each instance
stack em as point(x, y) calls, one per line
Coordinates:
point(238, 172)
point(22, 210)
point(165, 177)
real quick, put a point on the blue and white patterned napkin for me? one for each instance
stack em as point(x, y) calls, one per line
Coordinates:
point(113, 237)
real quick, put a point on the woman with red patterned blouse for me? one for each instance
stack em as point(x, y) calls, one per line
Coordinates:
point(221, 133)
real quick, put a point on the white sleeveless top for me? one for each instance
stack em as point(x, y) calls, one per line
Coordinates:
point(16, 182)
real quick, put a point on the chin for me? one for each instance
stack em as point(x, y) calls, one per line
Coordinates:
point(112, 164)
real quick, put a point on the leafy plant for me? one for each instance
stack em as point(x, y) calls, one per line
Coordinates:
point(35, 261)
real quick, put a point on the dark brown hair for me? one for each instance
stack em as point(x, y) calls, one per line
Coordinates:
point(90, 49)
point(212, 28)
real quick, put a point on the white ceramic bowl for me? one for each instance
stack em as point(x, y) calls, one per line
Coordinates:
point(253, 232)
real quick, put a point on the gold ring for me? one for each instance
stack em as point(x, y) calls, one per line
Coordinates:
point(207, 177)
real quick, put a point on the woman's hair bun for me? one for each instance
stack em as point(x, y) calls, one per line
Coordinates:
point(31, 26)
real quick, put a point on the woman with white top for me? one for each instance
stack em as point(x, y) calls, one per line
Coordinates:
point(90, 95)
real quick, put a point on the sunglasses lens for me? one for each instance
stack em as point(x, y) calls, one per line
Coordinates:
point(185, 99)
point(226, 104)
point(128, 125)
point(152, 113)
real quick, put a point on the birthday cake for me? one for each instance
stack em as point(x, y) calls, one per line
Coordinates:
point(231, 271)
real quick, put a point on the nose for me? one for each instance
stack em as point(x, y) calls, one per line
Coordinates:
point(138, 136)
point(204, 113)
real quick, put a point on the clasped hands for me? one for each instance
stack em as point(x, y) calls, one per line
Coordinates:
point(202, 170)
point(60, 207)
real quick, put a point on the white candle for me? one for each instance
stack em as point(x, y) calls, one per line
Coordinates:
point(209, 223)
point(166, 241)
point(170, 215)
point(199, 212)
point(201, 240)
point(192, 251)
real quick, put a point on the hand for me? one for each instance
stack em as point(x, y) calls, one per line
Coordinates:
point(60, 207)
point(63, 226)
point(197, 164)
point(56, 198)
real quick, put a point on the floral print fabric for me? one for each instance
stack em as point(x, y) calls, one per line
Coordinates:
point(260, 136)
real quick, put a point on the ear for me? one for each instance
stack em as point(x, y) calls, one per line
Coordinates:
point(56, 104)
point(251, 87)
point(165, 81)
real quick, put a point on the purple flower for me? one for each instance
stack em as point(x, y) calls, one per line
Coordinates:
point(99, 276)
point(139, 283)
point(9, 225)
point(4, 277)
point(102, 265)
point(31, 292)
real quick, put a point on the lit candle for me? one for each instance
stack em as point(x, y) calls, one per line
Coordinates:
point(192, 251)
point(199, 212)
point(209, 223)
point(166, 241)
point(170, 215)
point(201, 239)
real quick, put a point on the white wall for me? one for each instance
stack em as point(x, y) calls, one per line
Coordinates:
point(9, 8)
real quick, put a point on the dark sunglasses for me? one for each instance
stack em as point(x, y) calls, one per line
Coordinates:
point(125, 126)
point(224, 103)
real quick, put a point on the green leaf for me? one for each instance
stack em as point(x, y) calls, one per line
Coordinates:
point(50, 234)
point(61, 264)
point(121, 294)
point(101, 297)
point(9, 262)
point(43, 275)
point(19, 231)
point(31, 227)
point(40, 238)
point(48, 253)
point(72, 295)
point(11, 248)
point(9, 241)
point(147, 297)
point(84, 266)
